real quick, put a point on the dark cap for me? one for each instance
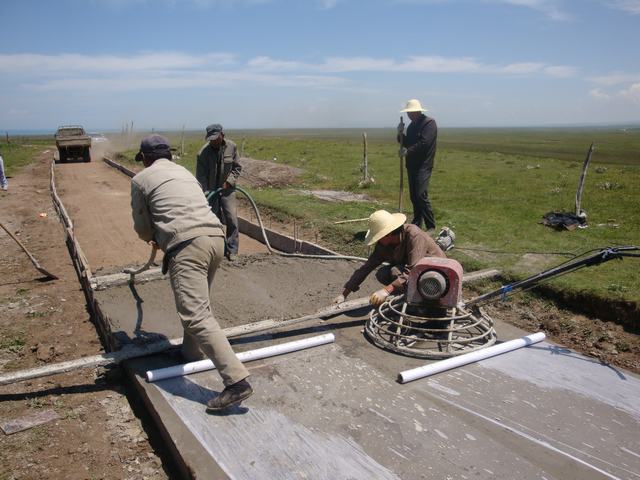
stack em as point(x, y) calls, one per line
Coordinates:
point(213, 131)
point(154, 143)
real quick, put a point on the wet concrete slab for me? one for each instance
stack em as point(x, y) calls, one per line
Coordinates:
point(250, 289)
point(336, 411)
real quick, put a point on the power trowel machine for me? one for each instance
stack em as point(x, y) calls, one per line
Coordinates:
point(430, 320)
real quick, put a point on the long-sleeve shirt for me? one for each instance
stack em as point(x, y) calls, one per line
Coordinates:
point(214, 167)
point(414, 245)
point(420, 142)
point(169, 207)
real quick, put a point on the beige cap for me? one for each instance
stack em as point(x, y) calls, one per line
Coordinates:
point(413, 105)
point(382, 223)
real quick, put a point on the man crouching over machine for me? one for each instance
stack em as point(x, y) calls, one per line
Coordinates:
point(400, 245)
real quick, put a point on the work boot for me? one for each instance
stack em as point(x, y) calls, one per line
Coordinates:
point(230, 396)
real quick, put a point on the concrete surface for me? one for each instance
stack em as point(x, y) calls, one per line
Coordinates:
point(252, 288)
point(337, 411)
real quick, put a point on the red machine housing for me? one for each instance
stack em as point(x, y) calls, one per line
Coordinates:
point(445, 281)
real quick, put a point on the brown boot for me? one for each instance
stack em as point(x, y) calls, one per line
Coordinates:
point(230, 396)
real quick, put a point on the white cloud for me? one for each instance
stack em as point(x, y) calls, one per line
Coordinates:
point(424, 64)
point(630, 6)
point(632, 93)
point(615, 78)
point(172, 70)
point(522, 68)
point(599, 94)
point(549, 8)
point(560, 71)
point(185, 80)
point(18, 63)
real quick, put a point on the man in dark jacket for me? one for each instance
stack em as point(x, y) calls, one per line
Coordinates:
point(420, 145)
point(217, 166)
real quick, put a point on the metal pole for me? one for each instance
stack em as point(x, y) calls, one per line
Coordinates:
point(401, 140)
point(365, 160)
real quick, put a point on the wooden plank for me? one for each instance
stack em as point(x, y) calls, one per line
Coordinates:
point(135, 351)
point(28, 421)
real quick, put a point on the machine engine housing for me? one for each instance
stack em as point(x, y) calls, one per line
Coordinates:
point(435, 281)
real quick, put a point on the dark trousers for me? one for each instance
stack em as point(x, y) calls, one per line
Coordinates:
point(418, 180)
point(226, 208)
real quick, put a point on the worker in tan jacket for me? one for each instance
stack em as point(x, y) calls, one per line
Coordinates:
point(398, 244)
point(170, 210)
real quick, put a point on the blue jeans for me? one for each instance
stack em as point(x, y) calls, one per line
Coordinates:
point(4, 184)
point(225, 207)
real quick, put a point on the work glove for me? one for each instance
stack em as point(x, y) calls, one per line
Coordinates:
point(403, 152)
point(401, 128)
point(339, 299)
point(378, 297)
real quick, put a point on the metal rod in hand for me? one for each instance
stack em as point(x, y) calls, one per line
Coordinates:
point(401, 155)
point(133, 272)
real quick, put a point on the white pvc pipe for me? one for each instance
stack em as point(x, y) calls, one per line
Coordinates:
point(453, 362)
point(270, 351)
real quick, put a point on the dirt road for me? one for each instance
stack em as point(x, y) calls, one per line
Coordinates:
point(97, 198)
point(97, 434)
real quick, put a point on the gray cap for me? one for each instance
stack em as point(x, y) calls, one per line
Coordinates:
point(154, 143)
point(213, 131)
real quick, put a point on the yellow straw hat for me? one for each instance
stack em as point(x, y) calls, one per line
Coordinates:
point(413, 105)
point(382, 223)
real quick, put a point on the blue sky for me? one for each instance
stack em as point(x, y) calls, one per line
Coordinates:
point(317, 63)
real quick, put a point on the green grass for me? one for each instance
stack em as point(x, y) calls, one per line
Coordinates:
point(13, 343)
point(20, 151)
point(492, 186)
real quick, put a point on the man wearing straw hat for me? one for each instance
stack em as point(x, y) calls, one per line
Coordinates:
point(170, 209)
point(420, 145)
point(400, 245)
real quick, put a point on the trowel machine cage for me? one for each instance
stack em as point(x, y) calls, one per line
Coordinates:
point(429, 321)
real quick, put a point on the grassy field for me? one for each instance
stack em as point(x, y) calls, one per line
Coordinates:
point(20, 151)
point(491, 186)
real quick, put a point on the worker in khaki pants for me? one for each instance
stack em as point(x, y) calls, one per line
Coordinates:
point(170, 210)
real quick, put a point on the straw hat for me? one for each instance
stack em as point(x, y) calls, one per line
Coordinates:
point(382, 223)
point(413, 105)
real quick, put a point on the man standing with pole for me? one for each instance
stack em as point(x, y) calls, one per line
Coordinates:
point(420, 150)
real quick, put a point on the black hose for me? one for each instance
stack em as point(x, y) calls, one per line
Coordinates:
point(213, 193)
